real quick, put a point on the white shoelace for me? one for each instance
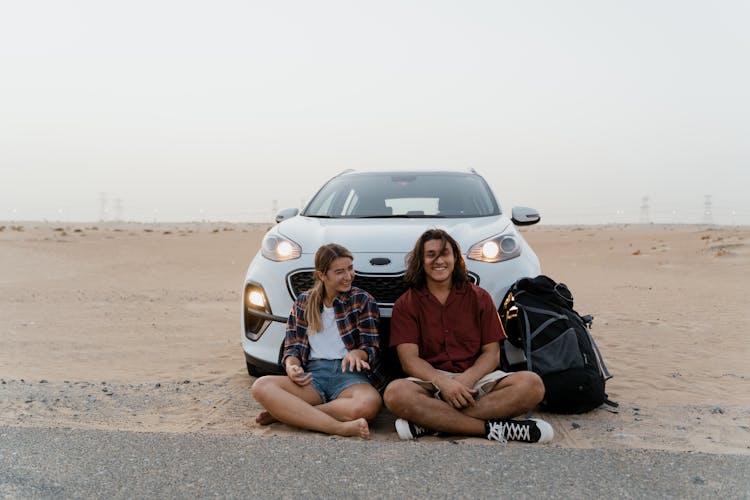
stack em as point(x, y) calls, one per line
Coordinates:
point(505, 431)
point(419, 431)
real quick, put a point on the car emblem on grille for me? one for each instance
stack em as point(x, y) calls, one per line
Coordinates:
point(380, 261)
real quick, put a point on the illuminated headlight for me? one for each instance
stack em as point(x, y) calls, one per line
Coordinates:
point(280, 249)
point(256, 298)
point(496, 249)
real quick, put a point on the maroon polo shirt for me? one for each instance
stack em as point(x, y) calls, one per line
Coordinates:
point(450, 337)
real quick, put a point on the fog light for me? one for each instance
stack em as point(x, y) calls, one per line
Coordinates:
point(256, 299)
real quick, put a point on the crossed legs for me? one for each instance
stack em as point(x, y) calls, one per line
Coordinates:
point(514, 395)
point(301, 406)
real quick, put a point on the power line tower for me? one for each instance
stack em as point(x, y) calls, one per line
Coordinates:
point(102, 206)
point(708, 217)
point(118, 209)
point(645, 211)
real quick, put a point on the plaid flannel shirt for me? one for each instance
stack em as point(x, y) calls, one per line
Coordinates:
point(357, 318)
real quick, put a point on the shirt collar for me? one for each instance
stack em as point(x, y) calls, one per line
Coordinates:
point(458, 289)
point(343, 297)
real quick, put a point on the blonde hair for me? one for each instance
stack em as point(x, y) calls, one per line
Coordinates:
point(324, 257)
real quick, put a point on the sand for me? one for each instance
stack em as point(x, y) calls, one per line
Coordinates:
point(125, 326)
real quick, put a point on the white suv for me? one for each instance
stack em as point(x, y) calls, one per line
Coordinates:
point(378, 216)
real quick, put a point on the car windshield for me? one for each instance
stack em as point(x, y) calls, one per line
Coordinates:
point(409, 195)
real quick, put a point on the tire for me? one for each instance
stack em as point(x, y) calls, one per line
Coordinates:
point(252, 370)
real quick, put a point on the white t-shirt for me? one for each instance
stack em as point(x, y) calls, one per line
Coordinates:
point(327, 344)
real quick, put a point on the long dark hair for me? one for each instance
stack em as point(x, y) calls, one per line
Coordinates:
point(415, 273)
point(324, 257)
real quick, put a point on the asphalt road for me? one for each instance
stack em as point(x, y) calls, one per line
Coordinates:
point(64, 463)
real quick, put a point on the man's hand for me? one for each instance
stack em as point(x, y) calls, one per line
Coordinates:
point(355, 360)
point(455, 393)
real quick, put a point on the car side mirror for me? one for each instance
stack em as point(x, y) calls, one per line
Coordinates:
point(286, 213)
point(524, 216)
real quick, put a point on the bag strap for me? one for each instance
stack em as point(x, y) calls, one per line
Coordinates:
point(563, 292)
point(528, 350)
point(599, 358)
point(527, 332)
point(554, 316)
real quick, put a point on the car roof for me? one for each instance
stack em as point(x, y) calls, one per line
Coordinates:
point(411, 170)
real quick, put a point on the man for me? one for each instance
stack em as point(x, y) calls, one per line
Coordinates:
point(447, 335)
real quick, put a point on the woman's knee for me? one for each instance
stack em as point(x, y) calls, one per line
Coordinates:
point(367, 407)
point(261, 387)
point(360, 401)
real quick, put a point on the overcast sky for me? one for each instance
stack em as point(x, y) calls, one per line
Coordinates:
point(184, 110)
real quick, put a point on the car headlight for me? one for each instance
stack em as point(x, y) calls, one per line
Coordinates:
point(255, 300)
point(496, 249)
point(280, 249)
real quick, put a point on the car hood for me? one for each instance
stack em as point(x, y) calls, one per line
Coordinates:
point(391, 235)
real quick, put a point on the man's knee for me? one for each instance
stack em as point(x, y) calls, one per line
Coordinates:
point(397, 392)
point(530, 384)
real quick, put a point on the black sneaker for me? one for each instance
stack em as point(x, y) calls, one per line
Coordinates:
point(407, 430)
point(533, 430)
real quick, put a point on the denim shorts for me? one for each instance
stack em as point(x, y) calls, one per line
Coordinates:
point(328, 380)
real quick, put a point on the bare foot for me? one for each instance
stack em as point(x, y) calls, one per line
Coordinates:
point(356, 428)
point(265, 418)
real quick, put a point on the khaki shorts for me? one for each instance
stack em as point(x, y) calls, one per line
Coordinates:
point(483, 386)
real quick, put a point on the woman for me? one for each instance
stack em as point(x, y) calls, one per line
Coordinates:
point(331, 355)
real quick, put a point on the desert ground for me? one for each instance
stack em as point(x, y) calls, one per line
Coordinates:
point(125, 326)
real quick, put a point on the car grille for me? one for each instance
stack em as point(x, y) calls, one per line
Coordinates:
point(386, 288)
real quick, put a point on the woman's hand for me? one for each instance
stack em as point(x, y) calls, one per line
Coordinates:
point(355, 360)
point(297, 374)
